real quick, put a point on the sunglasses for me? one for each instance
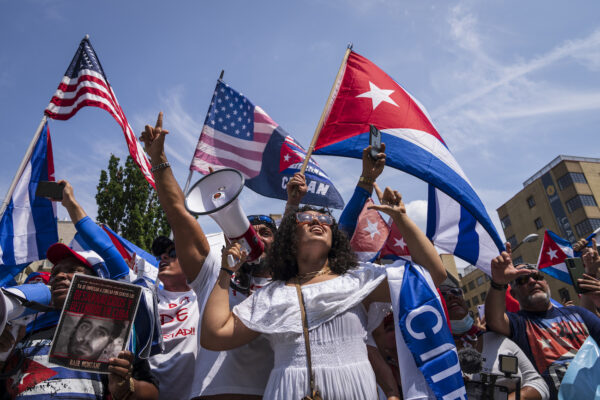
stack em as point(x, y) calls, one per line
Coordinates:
point(171, 253)
point(524, 279)
point(260, 219)
point(453, 291)
point(307, 218)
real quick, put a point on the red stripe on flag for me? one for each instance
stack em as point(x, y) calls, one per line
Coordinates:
point(62, 102)
point(124, 253)
point(83, 78)
point(251, 173)
point(238, 151)
point(263, 119)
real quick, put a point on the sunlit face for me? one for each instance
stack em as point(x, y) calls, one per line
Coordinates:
point(61, 277)
point(532, 294)
point(455, 302)
point(313, 230)
point(90, 337)
point(168, 265)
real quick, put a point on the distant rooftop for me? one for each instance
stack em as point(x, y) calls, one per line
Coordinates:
point(554, 163)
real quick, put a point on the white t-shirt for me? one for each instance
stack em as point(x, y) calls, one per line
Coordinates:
point(244, 370)
point(179, 318)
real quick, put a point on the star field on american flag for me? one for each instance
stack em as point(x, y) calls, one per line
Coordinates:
point(231, 113)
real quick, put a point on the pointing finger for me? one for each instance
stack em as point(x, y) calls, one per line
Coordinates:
point(159, 120)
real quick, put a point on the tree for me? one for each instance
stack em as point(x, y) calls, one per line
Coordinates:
point(129, 205)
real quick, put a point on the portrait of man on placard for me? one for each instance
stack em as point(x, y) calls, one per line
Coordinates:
point(90, 338)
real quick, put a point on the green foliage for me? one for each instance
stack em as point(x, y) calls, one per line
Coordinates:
point(129, 205)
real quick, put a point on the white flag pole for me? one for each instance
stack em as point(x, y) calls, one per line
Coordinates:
point(11, 189)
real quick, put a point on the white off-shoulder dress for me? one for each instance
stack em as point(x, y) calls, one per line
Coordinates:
point(337, 324)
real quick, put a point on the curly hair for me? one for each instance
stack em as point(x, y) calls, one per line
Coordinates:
point(282, 257)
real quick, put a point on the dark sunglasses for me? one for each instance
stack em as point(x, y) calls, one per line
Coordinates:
point(524, 279)
point(263, 220)
point(307, 218)
point(453, 291)
point(171, 253)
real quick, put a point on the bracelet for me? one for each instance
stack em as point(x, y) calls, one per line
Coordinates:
point(160, 166)
point(229, 272)
point(498, 286)
point(368, 181)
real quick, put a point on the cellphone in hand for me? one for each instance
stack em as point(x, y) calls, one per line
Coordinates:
point(374, 141)
point(52, 190)
point(576, 271)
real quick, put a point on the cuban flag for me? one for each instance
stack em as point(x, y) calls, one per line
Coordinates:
point(28, 226)
point(454, 230)
point(370, 235)
point(238, 134)
point(395, 247)
point(552, 257)
point(364, 95)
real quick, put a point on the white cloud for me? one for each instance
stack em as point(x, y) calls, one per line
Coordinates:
point(417, 211)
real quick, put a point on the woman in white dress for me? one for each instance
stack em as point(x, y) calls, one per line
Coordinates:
point(311, 253)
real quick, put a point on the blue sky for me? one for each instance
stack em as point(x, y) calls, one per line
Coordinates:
point(509, 85)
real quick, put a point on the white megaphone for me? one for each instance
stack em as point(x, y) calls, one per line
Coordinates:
point(216, 195)
point(20, 301)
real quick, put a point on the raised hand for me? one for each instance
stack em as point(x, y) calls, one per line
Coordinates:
point(592, 285)
point(154, 141)
point(390, 202)
point(296, 189)
point(372, 168)
point(591, 258)
point(503, 270)
point(233, 256)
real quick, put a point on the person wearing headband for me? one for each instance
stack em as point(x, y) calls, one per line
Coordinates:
point(479, 351)
point(549, 336)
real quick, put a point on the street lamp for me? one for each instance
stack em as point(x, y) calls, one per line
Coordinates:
point(532, 237)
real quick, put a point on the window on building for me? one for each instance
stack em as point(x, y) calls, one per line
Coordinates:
point(475, 301)
point(480, 281)
point(471, 285)
point(579, 201)
point(564, 294)
point(468, 302)
point(464, 289)
point(483, 297)
point(530, 201)
point(513, 241)
point(518, 260)
point(538, 223)
point(587, 226)
point(487, 278)
point(569, 178)
point(505, 222)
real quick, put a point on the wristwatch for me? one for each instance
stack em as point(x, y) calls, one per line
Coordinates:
point(498, 286)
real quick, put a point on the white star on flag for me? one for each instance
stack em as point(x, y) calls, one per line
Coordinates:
point(545, 343)
point(378, 95)
point(372, 228)
point(399, 243)
point(552, 254)
point(286, 157)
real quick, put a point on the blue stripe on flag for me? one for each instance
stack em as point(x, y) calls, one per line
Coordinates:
point(558, 274)
point(415, 160)
point(467, 246)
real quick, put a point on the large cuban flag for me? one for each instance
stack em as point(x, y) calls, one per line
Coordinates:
point(364, 95)
point(28, 225)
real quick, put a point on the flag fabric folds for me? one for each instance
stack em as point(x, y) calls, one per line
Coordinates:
point(454, 230)
point(28, 226)
point(370, 235)
point(366, 95)
point(552, 257)
point(395, 247)
point(85, 84)
point(238, 134)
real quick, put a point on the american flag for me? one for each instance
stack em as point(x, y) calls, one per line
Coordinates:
point(234, 135)
point(85, 84)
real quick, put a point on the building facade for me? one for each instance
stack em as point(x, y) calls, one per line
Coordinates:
point(562, 197)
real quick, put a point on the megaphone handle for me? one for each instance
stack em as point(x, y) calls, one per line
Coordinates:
point(231, 261)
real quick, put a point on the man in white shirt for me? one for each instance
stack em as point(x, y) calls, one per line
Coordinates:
point(237, 374)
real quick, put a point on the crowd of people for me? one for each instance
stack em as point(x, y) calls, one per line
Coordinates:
point(307, 320)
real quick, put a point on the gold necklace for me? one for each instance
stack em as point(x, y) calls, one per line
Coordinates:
point(309, 275)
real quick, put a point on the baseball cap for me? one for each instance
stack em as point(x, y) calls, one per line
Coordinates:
point(59, 251)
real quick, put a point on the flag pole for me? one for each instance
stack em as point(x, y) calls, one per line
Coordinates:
point(325, 109)
point(13, 184)
point(189, 178)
